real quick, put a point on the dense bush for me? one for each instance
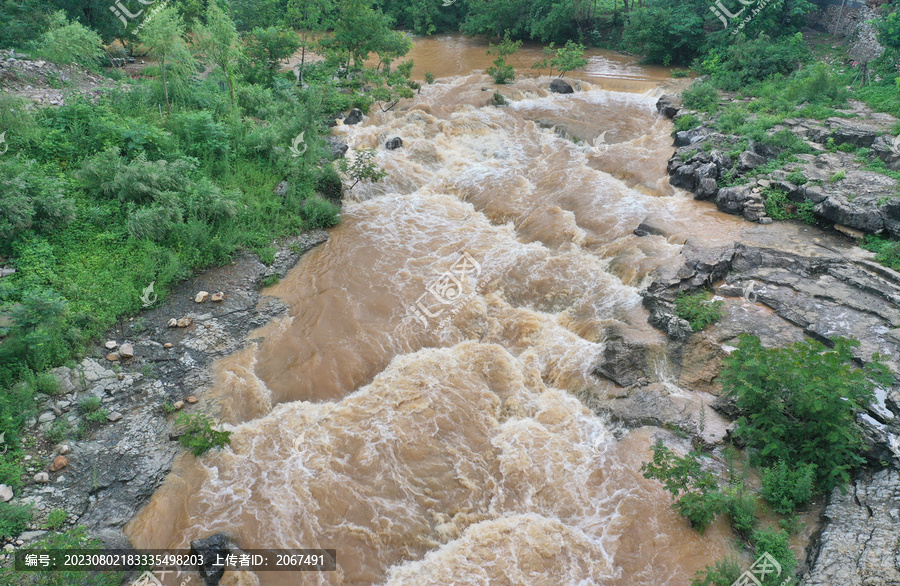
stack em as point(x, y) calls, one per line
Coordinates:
point(696, 490)
point(703, 97)
point(788, 486)
point(698, 309)
point(14, 519)
point(199, 435)
point(69, 42)
point(799, 404)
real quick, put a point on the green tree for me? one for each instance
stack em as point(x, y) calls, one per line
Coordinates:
point(218, 39)
point(69, 42)
point(799, 403)
point(266, 49)
point(696, 490)
point(164, 37)
point(363, 167)
point(501, 71)
point(359, 31)
point(308, 16)
point(570, 58)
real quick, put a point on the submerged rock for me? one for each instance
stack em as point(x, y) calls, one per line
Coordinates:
point(560, 86)
point(354, 117)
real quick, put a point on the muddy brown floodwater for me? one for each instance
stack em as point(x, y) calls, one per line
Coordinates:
point(417, 409)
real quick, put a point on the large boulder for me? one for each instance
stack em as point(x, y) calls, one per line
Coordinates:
point(668, 105)
point(686, 137)
point(856, 132)
point(394, 143)
point(354, 117)
point(336, 147)
point(748, 160)
point(217, 544)
point(732, 200)
point(560, 86)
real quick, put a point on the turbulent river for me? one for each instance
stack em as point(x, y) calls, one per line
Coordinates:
point(420, 408)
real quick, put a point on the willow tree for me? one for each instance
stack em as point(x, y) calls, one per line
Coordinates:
point(163, 35)
point(218, 39)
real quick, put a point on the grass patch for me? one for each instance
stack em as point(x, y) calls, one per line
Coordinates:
point(698, 309)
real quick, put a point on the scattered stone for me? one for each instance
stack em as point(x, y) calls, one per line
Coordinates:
point(179, 405)
point(114, 416)
point(113, 356)
point(6, 493)
point(63, 449)
point(281, 189)
point(9, 547)
point(121, 376)
point(185, 322)
point(217, 297)
point(354, 117)
point(560, 86)
point(765, 220)
point(42, 477)
point(126, 351)
point(173, 323)
point(668, 105)
point(59, 463)
point(394, 143)
point(336, 147)
point(192, 399)
point(201, 297)
point(46, 417)
point(111, 345)
point(167, 345)
point(30, 535)
point(210, 547)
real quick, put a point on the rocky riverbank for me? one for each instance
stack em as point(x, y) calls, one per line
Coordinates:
point(103, 478)
point(783, 285)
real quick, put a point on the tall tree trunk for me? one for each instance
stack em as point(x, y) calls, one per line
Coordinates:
point(162, 65)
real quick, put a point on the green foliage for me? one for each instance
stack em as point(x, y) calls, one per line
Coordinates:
point(724, 572)
point(889, 29)
point(787, 487)
point(887, 251)
point(745, 62)
point(498, 100)
point(796, 177)
point(696, 490)
point(666, 33)
point(837, 176)
point(779, 207)
point(500, 70)
point(69, 42)
point(319, 213)
point(429, 77)
point(265, 49)
point(776, 544)
point(198, 433)
point(11, 470)
point(686, 122)
point(799, 403)
point(58, 430)
point(163, 35)
point(218, 40)
point(30, 199)
point(363, 167)
point(564, 59)
point(703, 97)
point(14, 519)
point(359, 31)
point(89, 404)
point(741, 506)
point(56, 519)
point(698, 309)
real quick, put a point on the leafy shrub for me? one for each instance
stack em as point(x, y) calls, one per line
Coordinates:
point(69, 42)
point(46, 383)
point(502, 72)
point(56, 519)
point(725, 572)
point(748, 61)
point(58, 430)
point(198, 434)
point(498, 100)
point(788, 486)
point(776, 544)
point(741, 506)
point(30, 199)
point(840, 175)
point(686, 122)
point(14, 519)
point(11, 471)
point(89, 404)
point(796, 177)
point(778, 206)
point(320, 213)
point(887, 251)
point(696, 490)
point(429, 77)
point(698, 309)
point(798, 404)
point(702, 97)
